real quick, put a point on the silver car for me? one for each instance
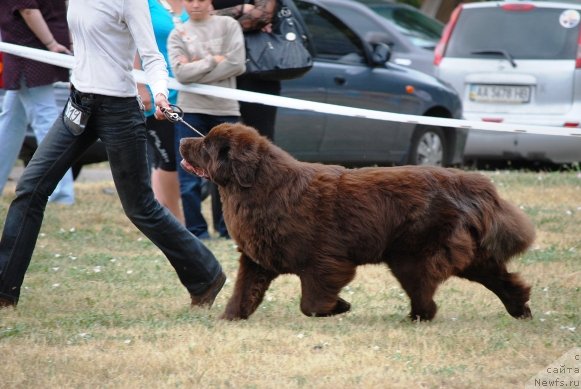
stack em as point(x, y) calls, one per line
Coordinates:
point(516, 62)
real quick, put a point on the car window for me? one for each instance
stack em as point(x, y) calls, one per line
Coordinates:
point(333, 40)
point(420, 29)
point(359, 21)
point(539, 33)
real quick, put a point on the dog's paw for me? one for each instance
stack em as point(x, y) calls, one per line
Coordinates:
point(523, 313)
point(424, 313)
point(231, 316)
point(341, 307)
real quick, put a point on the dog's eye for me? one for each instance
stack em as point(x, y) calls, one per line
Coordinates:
point(205, 151)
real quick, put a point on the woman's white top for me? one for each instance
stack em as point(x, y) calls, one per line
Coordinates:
point(106, 36)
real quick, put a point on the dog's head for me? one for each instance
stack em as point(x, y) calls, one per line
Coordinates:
point(229, 154)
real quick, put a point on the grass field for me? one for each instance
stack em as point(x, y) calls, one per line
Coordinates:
point(101, 307)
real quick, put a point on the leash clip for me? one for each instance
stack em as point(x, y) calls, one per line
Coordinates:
point(176, 114)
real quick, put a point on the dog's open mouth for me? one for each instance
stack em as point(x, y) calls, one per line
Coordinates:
point(194, 170)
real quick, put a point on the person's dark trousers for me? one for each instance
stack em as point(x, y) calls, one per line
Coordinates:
point(121, 126)
point(191, 185)
point(260, 116)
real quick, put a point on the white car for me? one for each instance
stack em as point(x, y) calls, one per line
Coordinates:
point(516, 62)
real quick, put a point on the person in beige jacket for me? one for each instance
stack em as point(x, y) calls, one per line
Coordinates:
point(206, 49)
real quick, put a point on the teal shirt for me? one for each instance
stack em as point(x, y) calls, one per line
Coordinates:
point(162, 27)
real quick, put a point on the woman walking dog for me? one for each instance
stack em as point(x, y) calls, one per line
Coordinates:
point(103, 104)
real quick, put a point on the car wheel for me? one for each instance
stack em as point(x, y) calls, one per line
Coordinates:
point(428, 147)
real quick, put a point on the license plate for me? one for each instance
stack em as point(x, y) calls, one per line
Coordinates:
point(512, 94)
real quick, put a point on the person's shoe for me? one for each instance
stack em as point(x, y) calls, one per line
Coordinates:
point(203, 235)
point(6, 303)
point(207, 298)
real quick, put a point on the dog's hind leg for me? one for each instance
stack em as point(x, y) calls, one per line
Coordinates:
point(420, 284)
point(509, 287)
point(320, 289)
point(252, 282)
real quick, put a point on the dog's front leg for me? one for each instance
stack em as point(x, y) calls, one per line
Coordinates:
point(321, 285)
point(252, 282)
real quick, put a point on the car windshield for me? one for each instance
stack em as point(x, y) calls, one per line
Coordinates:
point(422, 30)
point(539, 33)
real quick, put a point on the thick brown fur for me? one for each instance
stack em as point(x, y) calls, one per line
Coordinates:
point(320, 222)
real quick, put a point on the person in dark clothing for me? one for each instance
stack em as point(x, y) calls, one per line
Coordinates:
point(253, 15)
point(29, 97)
point(104, 98)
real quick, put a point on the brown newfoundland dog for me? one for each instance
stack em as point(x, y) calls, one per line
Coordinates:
point(320, 222)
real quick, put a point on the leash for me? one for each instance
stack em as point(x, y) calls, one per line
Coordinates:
point(176, 114)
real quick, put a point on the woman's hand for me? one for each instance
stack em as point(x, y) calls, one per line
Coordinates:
point(161, 102)
point(56, 47)
point(267, 28)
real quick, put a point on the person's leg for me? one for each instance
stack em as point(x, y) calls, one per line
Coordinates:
point(191, 185)
point(51, 161)
point(13, 123)
point(166, 188)
point(260, 116)
point(40, 105)
point(121, 127)
point(164, 176)
point(217, 217)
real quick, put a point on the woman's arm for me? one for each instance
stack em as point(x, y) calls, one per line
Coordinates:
point(35, 21)
point(142, 89)
point(138, 19)
point(254, 17)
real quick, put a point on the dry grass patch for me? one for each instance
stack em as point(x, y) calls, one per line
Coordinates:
point(101, 307)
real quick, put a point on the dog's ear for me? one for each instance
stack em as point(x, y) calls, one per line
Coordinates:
point(244, 159)
point(219, 164)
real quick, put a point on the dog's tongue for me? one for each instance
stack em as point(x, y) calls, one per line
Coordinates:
point(193, 170)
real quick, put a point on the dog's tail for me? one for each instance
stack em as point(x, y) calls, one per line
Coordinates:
point(501, 229)
point(508, 232)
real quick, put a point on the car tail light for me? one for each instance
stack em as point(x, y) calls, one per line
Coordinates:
point(571, 124)
point(441, 46)
point(518, 7)
point(578, 59)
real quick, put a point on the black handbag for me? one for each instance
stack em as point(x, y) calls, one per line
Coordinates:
point(282, 54)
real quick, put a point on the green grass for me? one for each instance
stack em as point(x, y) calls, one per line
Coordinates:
point(101, 307)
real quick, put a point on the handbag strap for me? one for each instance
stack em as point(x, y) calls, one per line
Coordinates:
point(243, 4)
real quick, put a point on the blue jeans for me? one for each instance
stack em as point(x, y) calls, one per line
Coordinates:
point(191, 185)
point(36, 106)
point(120, 124)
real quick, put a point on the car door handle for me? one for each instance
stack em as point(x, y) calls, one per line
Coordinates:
point(339, 80)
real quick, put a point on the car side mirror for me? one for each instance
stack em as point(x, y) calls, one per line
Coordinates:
point(381, 53)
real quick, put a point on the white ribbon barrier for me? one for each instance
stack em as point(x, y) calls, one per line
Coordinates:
point(67, 61)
